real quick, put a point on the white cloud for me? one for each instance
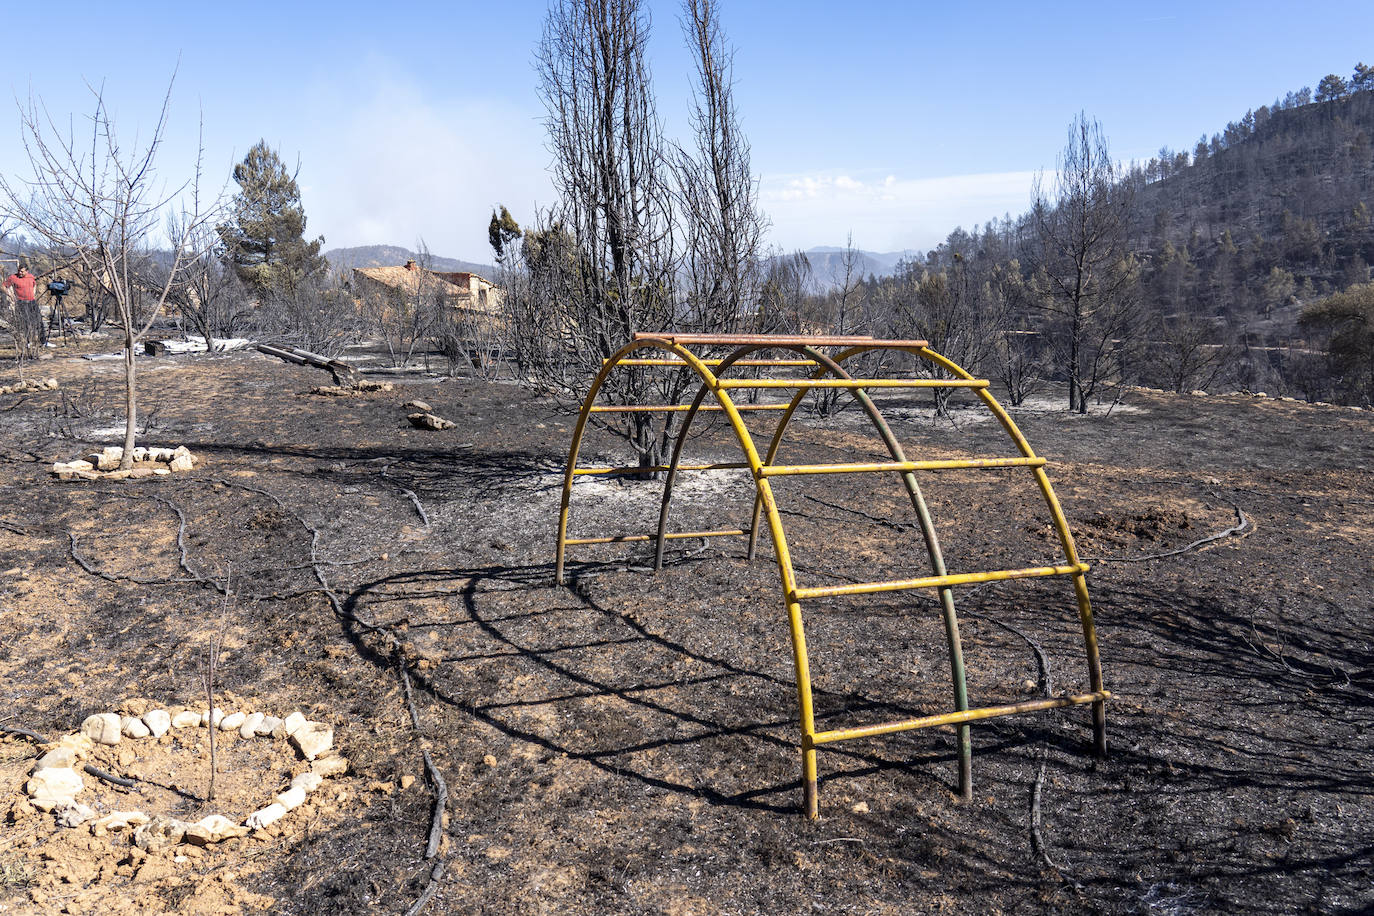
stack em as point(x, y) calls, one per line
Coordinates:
point(401, 163)
point(885, 212)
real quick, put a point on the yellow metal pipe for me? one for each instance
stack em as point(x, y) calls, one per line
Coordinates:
point(671, 408)
point(676, 535)
point(1061, 527)
point(655, 468)
point(897, 585)
point(787, 574)
point(769, 383)
point(787, 470)
point(956, 718)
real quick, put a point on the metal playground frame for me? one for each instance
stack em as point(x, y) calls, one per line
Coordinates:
point(673, 350)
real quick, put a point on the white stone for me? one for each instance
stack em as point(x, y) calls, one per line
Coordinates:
point(268, 726)
point(418, 405)
point(213, 829)
point(102, 728)
point(158, 721)
point(292, 722)
point(77, 742)
point(212, 717)
point(51, 802)
point(307, 782)
point(249, 728)
point(312, 739)
point(187, 718)
point(232, 722)
point(51, 785)
point(330, 766)
point(119, 820)
point(159, 833)
point(134, 728)
point(264, 817)
point(73, 814)
point(181, 463)
point(292, 798)
point(61, 757)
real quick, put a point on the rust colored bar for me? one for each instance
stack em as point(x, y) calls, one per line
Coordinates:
point(678, 535)
point(956, 718)
point(716, 362)
point(897, 585)
point(789, 470)
point(776, 340)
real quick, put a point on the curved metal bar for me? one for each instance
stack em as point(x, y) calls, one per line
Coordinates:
point(827, 365)
point(786, 573)
point(681, 440)
point(937, 564)
point(1061, 524)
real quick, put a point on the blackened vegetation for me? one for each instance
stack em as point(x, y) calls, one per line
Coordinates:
point(626, 744)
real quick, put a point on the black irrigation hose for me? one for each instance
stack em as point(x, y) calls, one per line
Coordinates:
point(23, 733)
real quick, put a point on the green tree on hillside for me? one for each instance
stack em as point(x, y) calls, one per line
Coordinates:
point(264, 237)
point(1349, 318)
point(1331, 87)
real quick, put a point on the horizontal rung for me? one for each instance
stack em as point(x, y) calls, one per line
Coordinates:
point(778, 340)
point(655, 468)
point(897, 585)
point(788, 470)
point(957, 718)
point(678, 535)
point(670, 408)
point(714, 362)
point(853, 383)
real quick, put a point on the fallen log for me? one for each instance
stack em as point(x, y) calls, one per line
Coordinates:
point(343, 373)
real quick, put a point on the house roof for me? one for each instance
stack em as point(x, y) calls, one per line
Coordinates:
point(408, 280)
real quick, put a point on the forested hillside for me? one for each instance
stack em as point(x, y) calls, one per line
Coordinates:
point(1276, 205)
point(1217, 268)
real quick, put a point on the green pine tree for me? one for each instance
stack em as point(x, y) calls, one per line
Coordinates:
point(264, 238)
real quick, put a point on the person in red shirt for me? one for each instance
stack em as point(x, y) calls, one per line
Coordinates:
point(29, 320)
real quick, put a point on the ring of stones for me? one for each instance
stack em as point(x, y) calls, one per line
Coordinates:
point(55, 782)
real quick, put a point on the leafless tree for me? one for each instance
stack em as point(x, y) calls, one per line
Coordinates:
point(1188, 353)
point(958, 310)
point(722, 223)
point(603, 263)
point(101, 202)
point(207, 295)
point(1086, 275)
point(842, 311)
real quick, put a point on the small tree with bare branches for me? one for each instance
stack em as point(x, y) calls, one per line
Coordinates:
point(101, 203)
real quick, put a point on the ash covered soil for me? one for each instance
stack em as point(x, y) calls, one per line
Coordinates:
point(627, 743)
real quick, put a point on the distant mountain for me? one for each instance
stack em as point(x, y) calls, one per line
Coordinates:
point(395, 256)
point(827, 264)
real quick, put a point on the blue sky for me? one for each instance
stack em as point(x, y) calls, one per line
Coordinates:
point(896, 121)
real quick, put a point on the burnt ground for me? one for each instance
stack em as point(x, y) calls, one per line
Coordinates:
point(627, 743)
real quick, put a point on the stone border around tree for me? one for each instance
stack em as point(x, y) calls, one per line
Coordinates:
point(148, 462)
point(28, 385)
point(55, 782)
